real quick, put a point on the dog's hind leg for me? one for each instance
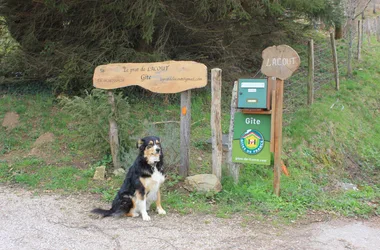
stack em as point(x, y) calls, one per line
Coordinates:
point(128, 206)
point(141, 206)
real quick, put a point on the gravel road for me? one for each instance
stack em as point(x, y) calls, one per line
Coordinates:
point(50, 221)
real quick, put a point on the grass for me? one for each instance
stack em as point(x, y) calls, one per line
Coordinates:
point(336, 140)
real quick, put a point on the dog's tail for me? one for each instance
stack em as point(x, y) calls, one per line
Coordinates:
point(103, 212)
point(121, 204)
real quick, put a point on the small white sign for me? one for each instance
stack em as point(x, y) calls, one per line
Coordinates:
point(253, 84)
point(252, 100)
point(252, 90)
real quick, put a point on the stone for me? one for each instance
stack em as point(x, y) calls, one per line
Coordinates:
point(100, 173)
point(203, 183)
point(348, 186)
point(119, 172)
point(225, 140)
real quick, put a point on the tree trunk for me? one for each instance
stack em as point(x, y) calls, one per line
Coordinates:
point(338, 32)
point(114, 133)
point(374, 6)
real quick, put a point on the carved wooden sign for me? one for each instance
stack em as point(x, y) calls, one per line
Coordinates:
point(158, 77)
point(280, 61)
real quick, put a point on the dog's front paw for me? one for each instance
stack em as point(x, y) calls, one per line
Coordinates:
point(161, 211)
point(146, 217)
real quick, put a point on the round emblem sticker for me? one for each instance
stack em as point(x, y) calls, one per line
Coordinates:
point(252, 142)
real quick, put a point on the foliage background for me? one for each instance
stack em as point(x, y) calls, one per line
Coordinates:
point(61, 42)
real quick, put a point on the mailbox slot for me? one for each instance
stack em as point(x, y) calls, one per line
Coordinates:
point(253, 94)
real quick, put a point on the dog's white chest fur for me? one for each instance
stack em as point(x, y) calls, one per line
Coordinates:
point(154, 183)
point(158, 176)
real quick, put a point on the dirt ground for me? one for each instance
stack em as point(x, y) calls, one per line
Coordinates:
point(51, 221)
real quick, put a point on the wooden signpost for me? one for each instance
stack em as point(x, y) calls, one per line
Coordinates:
point(159, 77)
point(278, 62)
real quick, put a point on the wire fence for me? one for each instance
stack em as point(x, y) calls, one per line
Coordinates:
point(360, 35)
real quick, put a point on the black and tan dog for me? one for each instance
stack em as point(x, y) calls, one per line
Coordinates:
point(142, 184)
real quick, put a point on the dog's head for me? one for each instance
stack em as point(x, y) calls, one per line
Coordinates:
point(150, 149)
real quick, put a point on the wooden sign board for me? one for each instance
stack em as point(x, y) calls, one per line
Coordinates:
point(158, 77)
point(280, 61)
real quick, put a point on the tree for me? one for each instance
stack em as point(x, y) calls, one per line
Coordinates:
point(354, 8)
point(64, 40)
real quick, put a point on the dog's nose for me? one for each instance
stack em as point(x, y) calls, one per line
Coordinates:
point(157, 150)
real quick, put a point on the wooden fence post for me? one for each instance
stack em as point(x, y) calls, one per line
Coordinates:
point(368, 30)
point(310, 82)
point(216, 126)
point(114, 132)
point(335, 61)
point(233, 168)
point(360, 34)
point(185, 132)
point(350, 42)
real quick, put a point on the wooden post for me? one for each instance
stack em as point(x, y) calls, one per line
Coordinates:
point(114, 132)
point(185, 132)
point(362, 30)
point(350, 42)
point(360, 34)
point(378, 28)
point(278, 136)
point(281, 72)
point(368, 30)
point(272, 81)
point(335, 61)
point(216, 125)
point(310, 82)
point(233, 168)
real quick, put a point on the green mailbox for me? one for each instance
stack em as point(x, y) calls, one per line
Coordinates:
point(253, 94)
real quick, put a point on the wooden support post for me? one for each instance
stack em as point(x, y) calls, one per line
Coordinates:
point(185, 132)
point(114, 132)
point(216, 125)
point(233, 168)
point(310, 82)
point(335, 61)
point(278, 136)
point(360, 34)
point(272, 81)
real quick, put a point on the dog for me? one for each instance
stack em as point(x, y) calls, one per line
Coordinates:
point(142, 183)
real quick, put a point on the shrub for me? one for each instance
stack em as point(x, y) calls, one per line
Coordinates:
point(92, 113)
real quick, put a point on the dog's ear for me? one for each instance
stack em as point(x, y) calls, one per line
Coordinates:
point(139, 143)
